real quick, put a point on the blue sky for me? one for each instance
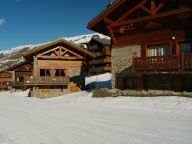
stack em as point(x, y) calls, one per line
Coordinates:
point(24, 22)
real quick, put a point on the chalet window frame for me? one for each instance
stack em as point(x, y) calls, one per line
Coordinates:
point(45, 72)
point(179, 50)
point(59, 72)
point(148, 45)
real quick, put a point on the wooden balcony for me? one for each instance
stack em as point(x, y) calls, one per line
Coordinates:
point(100, 61)
point(18, 84)
point(43, 80)
point(163, 63)
point(100, 69)
point(3, 87)
point(105, 53)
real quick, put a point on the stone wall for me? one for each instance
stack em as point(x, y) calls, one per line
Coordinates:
point(122, 60)
point(77, 76)
point(44, 92)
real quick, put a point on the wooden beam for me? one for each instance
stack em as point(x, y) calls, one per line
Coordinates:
point(146, 9)
point(153, 7)
point(160, 15)
point(72, 52)
point(132, 10)
point(105, 13)
point(63, 58)
point(159, 7)
point(108, 21)
point(112, 35)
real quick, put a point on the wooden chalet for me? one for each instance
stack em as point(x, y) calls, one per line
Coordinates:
point(5, 80)
point(102, 50)
point(53, 69)
point(152, 43)
point(20, 72)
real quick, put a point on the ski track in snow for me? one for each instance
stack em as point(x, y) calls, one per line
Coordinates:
point(80, 119)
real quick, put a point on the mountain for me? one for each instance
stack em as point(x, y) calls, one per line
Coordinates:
point(14, 55)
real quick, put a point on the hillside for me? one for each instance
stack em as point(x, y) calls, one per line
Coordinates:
point(14, 55)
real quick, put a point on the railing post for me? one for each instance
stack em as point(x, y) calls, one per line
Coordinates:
point(133, 64)
point(182, 61)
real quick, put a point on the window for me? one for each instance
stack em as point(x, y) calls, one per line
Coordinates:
point(21, 79)
point(42, 72)
point(48, 72)
point(185, 47)
point(158, 50)
point(62, 72)
point(59, 72)
point(45, 72)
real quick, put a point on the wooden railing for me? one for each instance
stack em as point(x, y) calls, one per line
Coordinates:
point(100, 61)
point(46, 80)
point(100, 69)
point(17, 84)
point(3, 87)
point(156, 63)
point(105, 53)
point(187, 61)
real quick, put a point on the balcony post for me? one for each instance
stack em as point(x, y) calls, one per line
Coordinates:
point(182, 61)
point(35, 66)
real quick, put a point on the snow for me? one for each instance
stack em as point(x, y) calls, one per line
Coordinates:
point(16, 49)
point(76, 39)
point(98, 78)
point(98, 81)
point(85, 38)
point(80, 119)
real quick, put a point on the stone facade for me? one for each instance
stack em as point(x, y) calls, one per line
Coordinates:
point(122, 60)
point(77, 76)
point(46, 92)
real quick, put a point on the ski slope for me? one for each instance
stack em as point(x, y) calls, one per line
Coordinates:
point(80, 119)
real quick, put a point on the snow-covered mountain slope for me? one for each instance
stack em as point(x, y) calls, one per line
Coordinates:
point(14, 55)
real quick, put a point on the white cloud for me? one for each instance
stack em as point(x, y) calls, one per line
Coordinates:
point(2, 22)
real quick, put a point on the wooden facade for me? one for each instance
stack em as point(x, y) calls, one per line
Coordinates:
point(162, 29)
point(20, 72)
point(102, 50)
point(56, 68)
point(5, 80)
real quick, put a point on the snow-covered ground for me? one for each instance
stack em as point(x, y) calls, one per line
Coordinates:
point(80, 119)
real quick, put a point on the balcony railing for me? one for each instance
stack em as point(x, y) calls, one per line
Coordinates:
point(100, 61)
point(44, 80)
point(105, 53)
point(100, 69)
point(17, 84)
point(163, 63)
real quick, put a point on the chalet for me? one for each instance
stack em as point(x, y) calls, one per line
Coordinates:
point(56, 68)
point(5, 80)
point(151, 43)
point(20, 72)
point(102, 50)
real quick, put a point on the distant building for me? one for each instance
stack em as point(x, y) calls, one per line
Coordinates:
point(151, 43)
point(53, 69)
point(5, 80)
point(102, 50)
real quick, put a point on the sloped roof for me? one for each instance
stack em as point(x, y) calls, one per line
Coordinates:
point(114, 11)
point(15, 66)
point(72, 46)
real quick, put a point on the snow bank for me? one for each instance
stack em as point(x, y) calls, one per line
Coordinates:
point(98, 81)
point(98, 78)
point(80, 119)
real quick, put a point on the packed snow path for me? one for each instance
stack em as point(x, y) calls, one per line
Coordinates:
point(80, 119)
